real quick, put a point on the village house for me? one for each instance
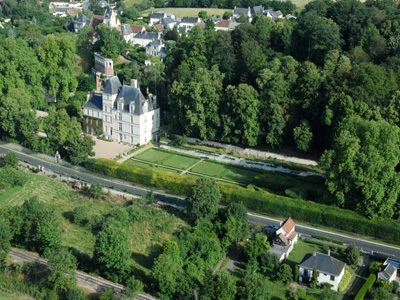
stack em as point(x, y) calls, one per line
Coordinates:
point(226, 25)
point(109, 18)
point(80, 22)
point(189, 22)
point(156, 18)
point(285, 239)
point(143, 39)
point(122, 114)
point(156, 48)
point(330, 270)
point(390, 270)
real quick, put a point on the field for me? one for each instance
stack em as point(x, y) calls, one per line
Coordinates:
point(147, 233)
point(4, 295)
point(180, 12)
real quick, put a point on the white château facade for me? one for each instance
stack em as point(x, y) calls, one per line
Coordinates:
point(126, 115)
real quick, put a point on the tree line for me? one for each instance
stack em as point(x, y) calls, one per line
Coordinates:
point(328, 80)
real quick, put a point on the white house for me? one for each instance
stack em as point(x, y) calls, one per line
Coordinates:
point(285, 238)
point(81, 22)
point(142, 39)
point(156, 48)
point(330, 270)
point(127, 32)
point(110, 18)
point(226, 25)
point(189, 22)
point(390, 270)
point(156, 18)
point(125, 114)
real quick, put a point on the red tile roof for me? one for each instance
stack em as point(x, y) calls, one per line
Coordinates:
point(288, 225)
point(223, 23)
point(292, 235)
point(282, 238)
point(159, 27)
point(200, 24)
point(96, 20)
point(137, 28)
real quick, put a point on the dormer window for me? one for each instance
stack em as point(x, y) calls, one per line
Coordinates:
point(132, 107)
point(121, 104)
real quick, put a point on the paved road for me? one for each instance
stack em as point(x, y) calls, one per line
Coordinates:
point(98, 178)
point(365, 245)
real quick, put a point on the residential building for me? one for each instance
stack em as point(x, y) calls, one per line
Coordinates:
point(156, 18)
point(110, 18)
point(156, 48)
point(285, 239)
point(142, 39)
point(330, 270)
point(226, 25)
point(127, 116)
point(102, 65)
point(169, 22)
point(81, 22)
point(96, 21)
point(390, 270)
point(127, 32)
point(189, 22)
point(137, 28)
point(242, 12)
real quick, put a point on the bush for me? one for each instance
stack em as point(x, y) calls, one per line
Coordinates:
point(96, 190)
point(395, 286)
point(374, 267)
point(81, 214)
point(344, 282)
point(120, 214)
point(262, 201)
point(11, 159)
point(366, 287)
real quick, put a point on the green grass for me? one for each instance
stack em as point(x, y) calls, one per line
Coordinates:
point(180, 162)
point(240, 175)
point(5, 295)
point(154, 156)
point(146, 235)
point(209, 168)
point(180, 12)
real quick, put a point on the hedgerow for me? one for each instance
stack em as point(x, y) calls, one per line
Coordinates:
point(366, 287)
point(257, 200)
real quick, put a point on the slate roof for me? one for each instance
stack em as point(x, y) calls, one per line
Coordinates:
point(189, 20)
point(129, 94)
point(239, 11)
point(257, 10)
point(323, 263)
point(147, 36)
point(95, 103)
point(126, 29)
point(388, 272)
point(268, 11)
point(112, 86)
point(61, 9)
point(167, 21)
point(82, 19)
point(157, 16)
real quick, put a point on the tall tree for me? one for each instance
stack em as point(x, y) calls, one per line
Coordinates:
point(63, 266)
point(5, 240)
point(361, 167)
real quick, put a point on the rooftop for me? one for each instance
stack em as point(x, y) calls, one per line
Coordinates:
point(95, 103)
point(323, 263)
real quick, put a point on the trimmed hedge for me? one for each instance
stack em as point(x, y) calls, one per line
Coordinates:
point(344, 282)
point(260, 200)
point(366, 287)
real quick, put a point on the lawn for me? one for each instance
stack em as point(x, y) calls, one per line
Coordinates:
point(154, 156)
point(209, 168)
point(240, 175)
point(180, 12)
point(5, 295)
point(149, 165)
point(180, 162)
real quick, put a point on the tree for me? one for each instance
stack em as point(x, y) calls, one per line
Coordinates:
point(165, 271)
point(133, 287)
point(237, 223)
point(270, 261)
point(110, 43)
point(352, 254)
point(241, 116)
point(203, 200)
point(255, 287)
point(79, 149)
point(219, 287)
point(381, 293)
point(202, 14)
point(62, 269)
point(285, 273)
point(81, 214)
point(361, 167)
point(96, 190)
point(256, 246)
point(302, 136)
point(112, 251)
point(11, 159)
point(314, 278)
point(5, 240)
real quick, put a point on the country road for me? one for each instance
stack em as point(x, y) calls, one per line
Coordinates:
point(365, 245)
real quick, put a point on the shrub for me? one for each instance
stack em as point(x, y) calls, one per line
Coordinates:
point(366, 287)
point(262, 201)
point(395, 286)
point(81, 214)
point(374, 267)
point(11, 159)
point(120, 214)
point(344, 282)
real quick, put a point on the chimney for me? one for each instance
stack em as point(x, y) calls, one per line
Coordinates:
point(134, 83)
point(380, 269)
point(88, 96)
point(314, 254)
point(329, 252)
point(98, 82)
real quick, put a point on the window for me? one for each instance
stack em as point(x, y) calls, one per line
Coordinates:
point(132, 129)
point(120, 126)
point(120, 116)
point(105, 118)
point(132, 118)
point(332, 278)
point(152, 117)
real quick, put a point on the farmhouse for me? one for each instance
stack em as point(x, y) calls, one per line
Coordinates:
point(285, 238)
point(330, 270)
